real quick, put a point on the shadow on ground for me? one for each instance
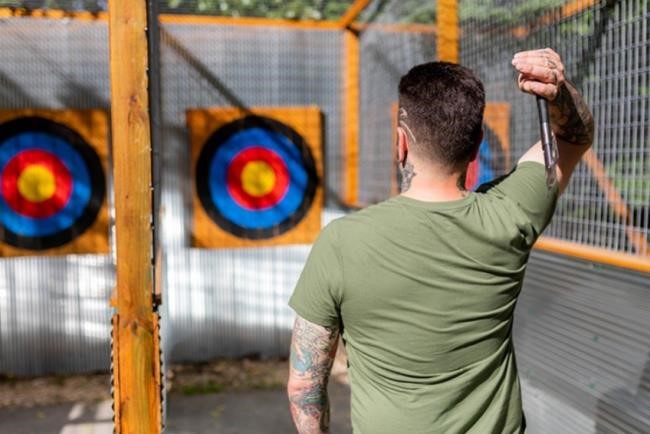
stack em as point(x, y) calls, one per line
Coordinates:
point(247, 412)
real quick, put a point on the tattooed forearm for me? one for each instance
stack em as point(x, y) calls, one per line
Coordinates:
point(408, 173)
point(312, 353)
point(571, 118)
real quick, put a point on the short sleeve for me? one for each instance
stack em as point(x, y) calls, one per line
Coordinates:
point(526, 187)
point(318, 293)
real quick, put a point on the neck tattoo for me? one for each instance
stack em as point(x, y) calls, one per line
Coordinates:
point(408, 173)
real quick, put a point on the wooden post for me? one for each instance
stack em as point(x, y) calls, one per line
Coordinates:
point(136, 360)
point(351, 111)
point(448, 32)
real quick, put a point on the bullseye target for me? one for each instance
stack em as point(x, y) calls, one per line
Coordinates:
point(493, 159)
point(52, 185)
point(257, 178)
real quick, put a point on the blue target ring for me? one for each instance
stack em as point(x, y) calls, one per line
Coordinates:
point(87, 189)
point(213, 183)
point(81, 192)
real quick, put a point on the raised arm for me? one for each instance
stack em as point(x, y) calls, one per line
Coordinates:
point(313, 348)
point(541, 72)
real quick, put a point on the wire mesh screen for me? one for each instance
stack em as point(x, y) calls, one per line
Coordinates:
point(605, 48)
point(54, 312)
point(386, 55)
point(230, 302)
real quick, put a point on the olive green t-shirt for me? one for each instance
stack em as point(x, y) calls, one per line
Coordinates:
point(425, 294)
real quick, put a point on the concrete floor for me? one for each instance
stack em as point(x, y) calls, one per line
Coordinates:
point(223, 413)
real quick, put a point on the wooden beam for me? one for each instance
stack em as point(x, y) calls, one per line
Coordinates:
point(52, 14)
point(594, 254)
point(353, 12)
point(448, 31)
point(351, 122)
point(248, 21)
point(136, 357)
point(394, 28)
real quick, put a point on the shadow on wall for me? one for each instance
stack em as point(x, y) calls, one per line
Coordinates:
point(621, 410)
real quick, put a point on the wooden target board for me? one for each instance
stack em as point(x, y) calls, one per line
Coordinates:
point(256, 176)
point(53, 166)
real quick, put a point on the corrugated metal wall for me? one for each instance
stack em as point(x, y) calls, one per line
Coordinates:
point(54, 313)
point(582, 341)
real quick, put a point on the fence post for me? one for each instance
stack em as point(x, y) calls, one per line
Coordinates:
point(135, 356)
point(448, 31)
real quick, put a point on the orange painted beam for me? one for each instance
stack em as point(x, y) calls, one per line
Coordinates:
point(394, 28)
point(566, 11)
point(187, 19)
point(448, 31)
point(353, 12)
point(175, 19)
point(52, 14)
point(594, 254)
point(136, 357)
point(248, 21)
point(351, 118)
point(617, 203)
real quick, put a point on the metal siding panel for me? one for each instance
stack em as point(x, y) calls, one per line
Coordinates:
point(582, 340)
point(54, 312)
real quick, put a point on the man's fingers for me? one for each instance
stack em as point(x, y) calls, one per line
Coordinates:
point(540, 61)
point(539, 73)
point(545, 52)
point(546, 90)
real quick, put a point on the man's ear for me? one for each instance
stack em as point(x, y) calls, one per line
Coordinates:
point(402, 146)
point(478, 145)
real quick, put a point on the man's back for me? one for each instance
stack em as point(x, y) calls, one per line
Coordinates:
point(426, 293)
point(423, 287)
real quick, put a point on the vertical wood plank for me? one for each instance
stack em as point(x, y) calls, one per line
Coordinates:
point(448, 32)
point(351, 110)
point(136, 358)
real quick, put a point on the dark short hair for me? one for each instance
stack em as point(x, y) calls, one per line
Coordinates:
point(442, 104)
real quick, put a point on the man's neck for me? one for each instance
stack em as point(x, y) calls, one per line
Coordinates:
point(430, 184)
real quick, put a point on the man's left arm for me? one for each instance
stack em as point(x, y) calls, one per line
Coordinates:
point(313, 348)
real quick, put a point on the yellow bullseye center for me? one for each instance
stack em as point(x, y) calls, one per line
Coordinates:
point(36, 183)
point(258, 178)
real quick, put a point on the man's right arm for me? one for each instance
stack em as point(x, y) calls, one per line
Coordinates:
point(542, 73)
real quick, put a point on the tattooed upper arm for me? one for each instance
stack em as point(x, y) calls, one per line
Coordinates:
point(313, 348)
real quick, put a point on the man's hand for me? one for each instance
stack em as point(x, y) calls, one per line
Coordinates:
point(313, 348)
point(541, 72)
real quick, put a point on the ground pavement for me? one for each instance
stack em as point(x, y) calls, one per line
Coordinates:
point(264, 411)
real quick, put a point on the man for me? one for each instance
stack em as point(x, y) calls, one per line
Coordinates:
point(423, 286)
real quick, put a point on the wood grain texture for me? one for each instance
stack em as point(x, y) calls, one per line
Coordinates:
point(306, 121)
point(351, 119)
point(137, 358)
point(448, 31)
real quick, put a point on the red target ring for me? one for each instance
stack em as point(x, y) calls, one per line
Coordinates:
point(268, 195)
point(44, 162)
